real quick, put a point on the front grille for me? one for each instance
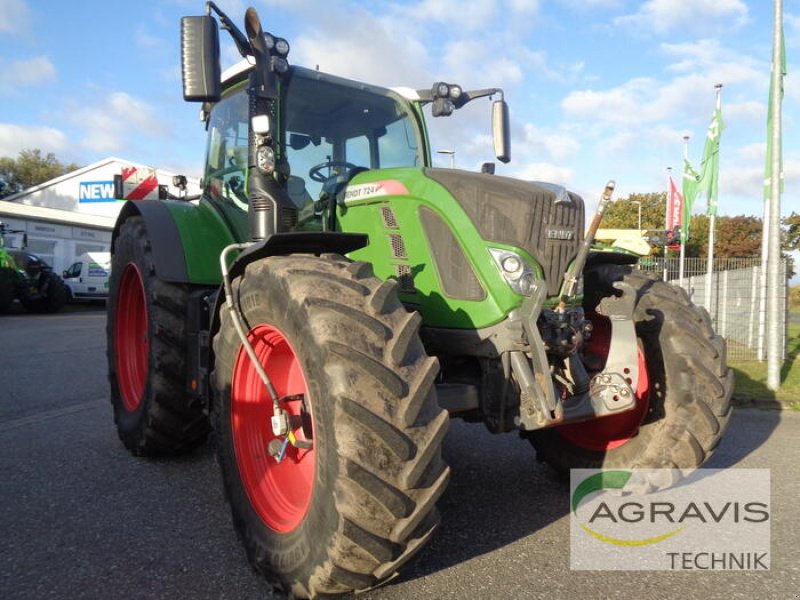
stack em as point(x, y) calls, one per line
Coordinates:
point(405, 277)
point(521, 214)
point(398, 246)
point(454, 269)
point(389, 219)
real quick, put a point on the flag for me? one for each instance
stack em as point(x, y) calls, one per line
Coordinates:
point(674, 207)
point(689, 186)
point(708, 184)
point(768, 165)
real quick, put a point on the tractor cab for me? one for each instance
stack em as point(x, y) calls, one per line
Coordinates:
point(332, 130)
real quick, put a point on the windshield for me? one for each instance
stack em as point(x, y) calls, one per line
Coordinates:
point(331, 125)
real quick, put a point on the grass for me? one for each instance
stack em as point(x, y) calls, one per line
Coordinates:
point(751, 376)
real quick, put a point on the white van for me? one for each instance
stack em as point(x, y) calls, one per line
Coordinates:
point(87, 278)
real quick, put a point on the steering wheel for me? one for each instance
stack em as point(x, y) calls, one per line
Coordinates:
point(315, 172)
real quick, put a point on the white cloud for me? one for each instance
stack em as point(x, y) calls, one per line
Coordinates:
point(623, 104)
point(584, 5)
point(686, 96)
point(108, 127)
point(542, 171)
point(524, 7)
point(461, 57)
point(27, 73)
point(540, 142)
point(14, 16)
point(15, 138)
point(697, 16)
point(469, 15)
point(749, 110)
point(714, 60)
point(339, 48)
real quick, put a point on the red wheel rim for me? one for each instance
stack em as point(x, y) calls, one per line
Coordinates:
point(280, 492)
point(131, 337)
point(607, 433)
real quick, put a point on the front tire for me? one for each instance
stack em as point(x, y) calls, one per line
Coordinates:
point(54, 293)
point(683, 401)
point(343, 515)
point(146, 348)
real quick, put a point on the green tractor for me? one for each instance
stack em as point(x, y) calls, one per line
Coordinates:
point(26, 277)
point(332, 300)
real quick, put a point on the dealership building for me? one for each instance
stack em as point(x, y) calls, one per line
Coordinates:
point(62, 218)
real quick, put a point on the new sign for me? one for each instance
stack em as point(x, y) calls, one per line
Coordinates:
point(96, 191)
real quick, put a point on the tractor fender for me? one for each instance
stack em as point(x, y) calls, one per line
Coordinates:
point(280, 244)
point(164, 237)
point(316, 243)
point(611, 257)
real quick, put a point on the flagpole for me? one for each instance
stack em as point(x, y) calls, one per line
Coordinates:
point(762, 284)
point(774, 295)
point(666, 218)
point(688, 220)
point(712, 221)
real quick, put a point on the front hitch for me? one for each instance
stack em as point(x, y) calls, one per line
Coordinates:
point(612, 390)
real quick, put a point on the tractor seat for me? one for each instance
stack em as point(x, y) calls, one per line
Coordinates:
point(296, 188)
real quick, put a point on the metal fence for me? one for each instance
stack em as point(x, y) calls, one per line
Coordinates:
point(736, 309)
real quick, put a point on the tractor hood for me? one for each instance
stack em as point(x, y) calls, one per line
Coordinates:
point(544, 219)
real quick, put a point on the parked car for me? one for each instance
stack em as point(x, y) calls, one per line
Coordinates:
point(87, 278)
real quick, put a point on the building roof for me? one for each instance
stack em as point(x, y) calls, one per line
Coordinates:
point(66, 177)
point(54, 215)
point(19, 196)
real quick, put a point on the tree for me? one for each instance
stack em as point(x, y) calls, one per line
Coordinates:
point(30, 168)
point(791, 232)
point(735, 236)
point(738, 237)
point(624, 213)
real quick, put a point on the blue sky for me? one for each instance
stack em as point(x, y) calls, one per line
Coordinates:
point(598, 89)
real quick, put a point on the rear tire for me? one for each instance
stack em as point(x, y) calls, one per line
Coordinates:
point(146, 348)
point(344, 515)
point(688, 401)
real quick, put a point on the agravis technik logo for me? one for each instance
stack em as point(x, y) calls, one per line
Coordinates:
point(664, 519)
point(612, 480)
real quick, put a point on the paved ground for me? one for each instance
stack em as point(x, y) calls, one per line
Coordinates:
point(80, 518)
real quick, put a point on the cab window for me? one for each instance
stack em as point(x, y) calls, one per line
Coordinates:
point(74, 270)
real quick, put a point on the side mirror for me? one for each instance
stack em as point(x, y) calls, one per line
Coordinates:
point(501, 131)
point(200, 64)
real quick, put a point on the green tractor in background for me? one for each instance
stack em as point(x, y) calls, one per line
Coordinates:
point(332, 300)
point(26, 277)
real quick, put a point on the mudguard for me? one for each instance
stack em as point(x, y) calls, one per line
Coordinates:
point(611, 257)
point(287, 243)
point(186, 239)
point(164, 237)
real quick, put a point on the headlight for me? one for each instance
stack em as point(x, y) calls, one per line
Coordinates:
point(511, 264)
point(281, 46)
point(441, 90)
point(518, 274)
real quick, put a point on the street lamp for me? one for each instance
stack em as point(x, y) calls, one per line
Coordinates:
point(639, 205)
point(452, 154)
